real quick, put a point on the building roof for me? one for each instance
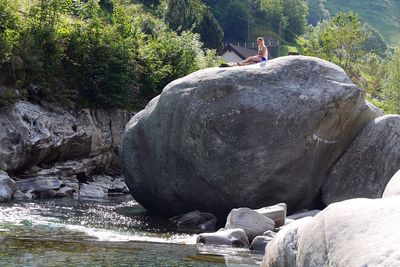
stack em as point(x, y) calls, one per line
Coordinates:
point(242, 52)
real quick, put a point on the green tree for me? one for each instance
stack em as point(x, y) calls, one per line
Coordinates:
point(339, 40)
point(271, 12)
point(391, 87)
point(295, 12)
point(167, 57)
point(233, 16)
point(100, 58)
point(8, 29)
point(106, 54)
point(374, 41)
point(210, 31)
point(373, 69)
point(40, 46)
point(285, 17)
point(193, 15)
point(318, 11)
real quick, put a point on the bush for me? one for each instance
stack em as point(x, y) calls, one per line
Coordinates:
point(167, 57)
point(100, 66)
point(391, 87)
point(7, 97)
point(8, 29)
point(107, 53)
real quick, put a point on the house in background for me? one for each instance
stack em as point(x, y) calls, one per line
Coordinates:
point(241, 51)
point(234, 53)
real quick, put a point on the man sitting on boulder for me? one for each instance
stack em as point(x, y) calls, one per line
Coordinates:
point(262, 55)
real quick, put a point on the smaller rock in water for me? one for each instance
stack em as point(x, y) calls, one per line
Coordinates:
point(39, 184)
point(232, 237)
point(276, 212)
point(195, 220)
point(65, 191)
point(303, 214)
point(117, 186)
point(92, 190)
point(7, 187)
point(393, 187)
point(101, 186)
point(270, 234)
point(260, 242)
point(18, 195)
point(252, 222)
point(48, 193)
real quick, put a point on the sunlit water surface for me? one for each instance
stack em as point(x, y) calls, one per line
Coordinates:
point(112, 232)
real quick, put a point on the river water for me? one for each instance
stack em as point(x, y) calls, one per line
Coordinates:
point(112, 232)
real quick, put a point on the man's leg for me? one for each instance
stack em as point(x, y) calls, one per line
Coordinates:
point(250, 60)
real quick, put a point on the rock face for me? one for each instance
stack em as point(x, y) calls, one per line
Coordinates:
point(243, 137)
point(393, 187)
point(358, 232)
point(252, 222)
point(34, 135)
point(368, 164)
point(49, 150)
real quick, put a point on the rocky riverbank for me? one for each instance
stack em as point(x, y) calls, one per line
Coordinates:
point(297, 132)
point(346, 233)
point(48, 151)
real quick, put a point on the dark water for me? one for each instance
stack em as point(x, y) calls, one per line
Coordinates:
point(113, 232)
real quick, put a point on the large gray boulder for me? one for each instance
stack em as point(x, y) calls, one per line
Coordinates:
point(368, 164)
point(243, 137)
point(392, 189)
point(358, 232)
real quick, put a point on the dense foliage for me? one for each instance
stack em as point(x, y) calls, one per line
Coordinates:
point(121, 53)
point(183, 15)
point(361, 52)
point(339, 40)
point(382, 15)
point(101, 53)
point(391, 86)
point(244, 20)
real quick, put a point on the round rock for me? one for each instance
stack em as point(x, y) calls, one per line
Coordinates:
point(368, 164)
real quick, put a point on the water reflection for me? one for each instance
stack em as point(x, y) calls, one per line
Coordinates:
point(115, 232)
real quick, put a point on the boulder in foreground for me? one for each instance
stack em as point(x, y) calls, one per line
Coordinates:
point(357, 232)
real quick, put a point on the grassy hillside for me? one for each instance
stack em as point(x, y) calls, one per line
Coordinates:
point(384, 15)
